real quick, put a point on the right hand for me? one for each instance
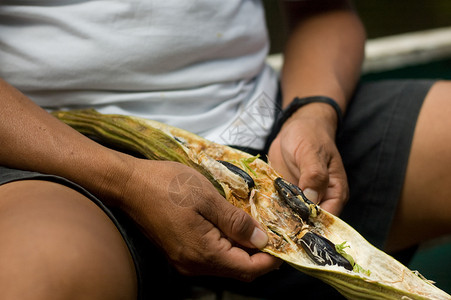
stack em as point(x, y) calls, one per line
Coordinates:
point(200, 232)
point(305, 153)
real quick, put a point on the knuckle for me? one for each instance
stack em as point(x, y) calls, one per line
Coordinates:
point(183, 261)
point(343, 190)
point(345, 195)
point(208, 253)
point(317, 173)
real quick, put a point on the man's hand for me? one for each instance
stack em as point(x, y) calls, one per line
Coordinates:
point(304, 152)
point(323, 56)
point(201, 233)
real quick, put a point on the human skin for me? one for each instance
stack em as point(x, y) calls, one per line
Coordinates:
point(197, 238)
point(323, 57)
point(194, 237)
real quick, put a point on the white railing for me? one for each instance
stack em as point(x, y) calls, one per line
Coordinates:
point(396, 51)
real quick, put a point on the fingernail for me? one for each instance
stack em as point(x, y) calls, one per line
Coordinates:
point(311, 195)
point(259, 238)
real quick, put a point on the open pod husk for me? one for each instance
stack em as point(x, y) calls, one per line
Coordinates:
point(378, 276)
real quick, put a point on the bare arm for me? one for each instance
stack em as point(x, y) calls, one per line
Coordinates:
point(325, 50)
point(323, 56)
point(192, 237)
point(34, 140)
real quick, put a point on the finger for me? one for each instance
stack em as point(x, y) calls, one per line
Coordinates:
point(333, 206)
point(276, 160)
point(246, 268)
point(235, 223)
point(235, 262)
point(337, 192)
point(314, 175)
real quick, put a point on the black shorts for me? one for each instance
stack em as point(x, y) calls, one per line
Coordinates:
point(374, 142)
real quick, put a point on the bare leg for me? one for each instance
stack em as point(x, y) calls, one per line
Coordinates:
point(57, 244)
point(424, 210)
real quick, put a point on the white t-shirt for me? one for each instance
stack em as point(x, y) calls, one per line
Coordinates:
point(197, 64)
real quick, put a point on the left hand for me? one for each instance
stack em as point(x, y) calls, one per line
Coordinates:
point(304, 153)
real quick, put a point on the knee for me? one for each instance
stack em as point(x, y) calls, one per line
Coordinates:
point(60, 246)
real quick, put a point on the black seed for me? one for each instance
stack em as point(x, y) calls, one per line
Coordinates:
point(289, 194)
point(250, 182)
point(296, 191)
point(322, 251)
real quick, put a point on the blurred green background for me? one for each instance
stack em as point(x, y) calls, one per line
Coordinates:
point(388, 17)
point(380, 17)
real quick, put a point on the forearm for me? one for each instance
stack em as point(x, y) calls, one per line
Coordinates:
point(323, 57)
point(324, 53)
point(34, 140)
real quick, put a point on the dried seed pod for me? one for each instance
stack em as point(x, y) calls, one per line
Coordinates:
point(384, 278)
point(250, 182)
point(322, 251)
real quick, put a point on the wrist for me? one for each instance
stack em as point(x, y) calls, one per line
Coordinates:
point(320, 114)
point(322, 111)
point(108, 177)
point(316, 106)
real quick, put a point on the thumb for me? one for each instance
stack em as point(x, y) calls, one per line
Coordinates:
point(238, 226)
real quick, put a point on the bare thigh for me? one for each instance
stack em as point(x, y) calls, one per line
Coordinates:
point(57, 244)
point(424, 210)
